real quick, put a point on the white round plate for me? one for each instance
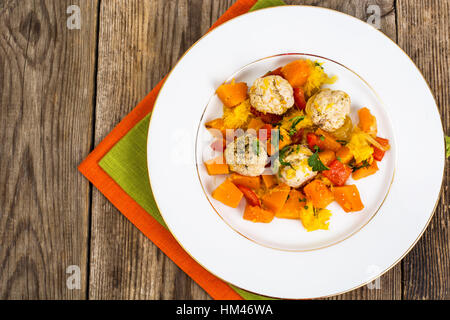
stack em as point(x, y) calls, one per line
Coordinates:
point(281, 259)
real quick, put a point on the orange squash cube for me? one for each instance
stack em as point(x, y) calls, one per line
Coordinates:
point(269, 181)
point(367, 122)
point(217, 166)
point(327, 157)
point(296, 72)
point(228, 194)
point(292, 209)
point(327, 142)
point(275, 198)
point(319, 194)
point(348, 198)
point(217, 127)
point(344, 155)
point(366, 171)
point(232, 94)
point(258, 214)
point(255, 124)
point(249, 182)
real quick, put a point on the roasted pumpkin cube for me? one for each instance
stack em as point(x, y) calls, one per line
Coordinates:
point(348, 198)
point(327, 141)
point(269, 181)
point(296, 72)
point(275, 198)
point(217, 128)
point(293, 206)
point(367, 122)
point(258, 214)
point(327, 157)
point(246, 181)
point(233, 93)
point(228, 194)
point(255, 124)
point(365, 171)
point(318, 193)
point(344, 155)
point(217, 166)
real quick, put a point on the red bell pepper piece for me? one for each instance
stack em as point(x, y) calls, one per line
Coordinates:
point(265, 133)
point(267, 117)
point(338, 173)
point(276, 72)
point(313, 141)
point(297, 137)
point(251, 196)
point(218, 145)
point(299, 98)
point(378, 154)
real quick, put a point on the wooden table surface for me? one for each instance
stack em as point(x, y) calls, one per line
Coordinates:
point(62, 91)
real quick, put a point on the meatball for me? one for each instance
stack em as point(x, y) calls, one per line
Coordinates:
point(246, 155)
point(294, 169)
point(328, 109)
point(271, 94)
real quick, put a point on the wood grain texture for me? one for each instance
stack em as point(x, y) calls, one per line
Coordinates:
point(46, 90)
point(139, 42)
point(423, 32)
point(358, 9)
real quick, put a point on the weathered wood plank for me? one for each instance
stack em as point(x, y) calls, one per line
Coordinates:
point(423, 32)
point(46, 107)
point(358, 8)
point(139, 42)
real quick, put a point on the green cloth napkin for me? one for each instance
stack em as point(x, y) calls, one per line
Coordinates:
point(126, 164)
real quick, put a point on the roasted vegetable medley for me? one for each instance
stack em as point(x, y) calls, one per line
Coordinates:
point(288, 146)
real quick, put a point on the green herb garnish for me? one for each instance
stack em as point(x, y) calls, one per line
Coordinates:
point(364, 164)
point(343, 142)
point(306, 207)
point(315, 163)
point(296, 120)
point(283, 153)
point(339, 159)
point(322, 138)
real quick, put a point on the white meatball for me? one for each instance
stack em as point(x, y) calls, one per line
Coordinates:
point(294, 169)
point(246, 155)
point(271, 94)
point(328, 109)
